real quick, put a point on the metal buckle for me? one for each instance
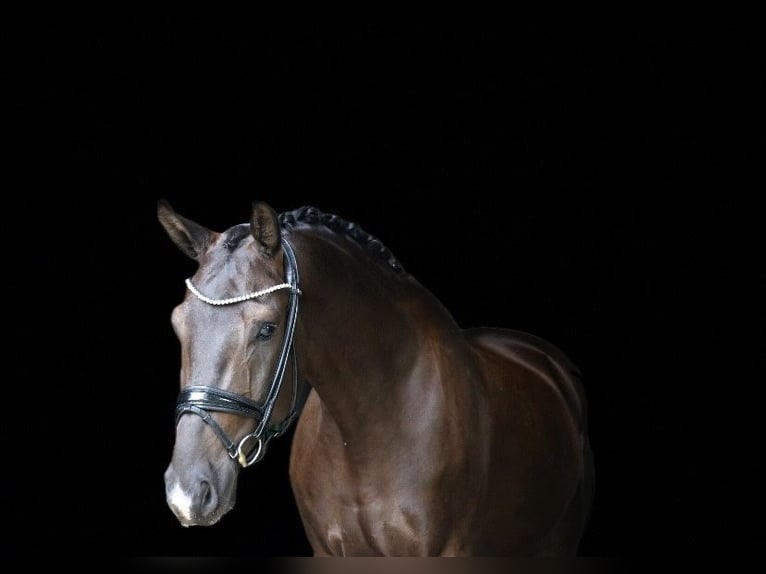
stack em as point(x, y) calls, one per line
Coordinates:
point(259, 451)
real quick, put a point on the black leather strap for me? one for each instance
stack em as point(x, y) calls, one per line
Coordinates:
point(291, 277)
point(191, 408)
point(215, 399)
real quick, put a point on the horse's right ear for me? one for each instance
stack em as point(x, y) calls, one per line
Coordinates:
point(190, 237)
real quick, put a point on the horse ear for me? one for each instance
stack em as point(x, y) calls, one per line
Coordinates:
point(190, 237)
point(264, 225)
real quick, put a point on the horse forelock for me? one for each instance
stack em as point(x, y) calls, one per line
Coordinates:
point(234, 236)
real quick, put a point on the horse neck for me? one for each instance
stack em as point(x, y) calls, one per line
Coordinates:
point(360, 328)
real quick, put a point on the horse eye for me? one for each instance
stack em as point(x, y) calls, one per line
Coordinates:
point(266, 330)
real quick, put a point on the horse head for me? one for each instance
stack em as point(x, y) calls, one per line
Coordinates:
point(235, 328)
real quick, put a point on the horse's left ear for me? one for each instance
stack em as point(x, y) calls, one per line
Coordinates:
point(190, 237)
point(264, 225)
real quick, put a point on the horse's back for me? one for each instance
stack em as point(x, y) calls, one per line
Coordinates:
point(541, 475)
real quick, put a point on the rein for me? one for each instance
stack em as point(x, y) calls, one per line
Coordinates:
point(200, 399)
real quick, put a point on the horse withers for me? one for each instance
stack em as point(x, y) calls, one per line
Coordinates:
point(413, 437)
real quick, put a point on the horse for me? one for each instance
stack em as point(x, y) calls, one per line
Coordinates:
point(412, 437)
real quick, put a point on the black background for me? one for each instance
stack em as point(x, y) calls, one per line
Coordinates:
point(583, 186)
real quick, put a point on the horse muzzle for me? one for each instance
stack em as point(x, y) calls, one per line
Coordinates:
point(197, 498)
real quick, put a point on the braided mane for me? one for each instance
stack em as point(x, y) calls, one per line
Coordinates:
point(313, 216)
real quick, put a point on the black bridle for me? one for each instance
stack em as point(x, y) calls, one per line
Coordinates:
point(200, 399)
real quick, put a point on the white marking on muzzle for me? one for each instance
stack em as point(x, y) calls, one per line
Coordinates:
point(180, 501)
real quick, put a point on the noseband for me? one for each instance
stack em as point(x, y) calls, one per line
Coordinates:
point(200, 399)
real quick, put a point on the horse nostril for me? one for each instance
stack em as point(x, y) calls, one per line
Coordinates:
point(207, 497)
point(205, 492)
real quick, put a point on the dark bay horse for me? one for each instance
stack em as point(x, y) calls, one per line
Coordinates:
point(413, 436)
